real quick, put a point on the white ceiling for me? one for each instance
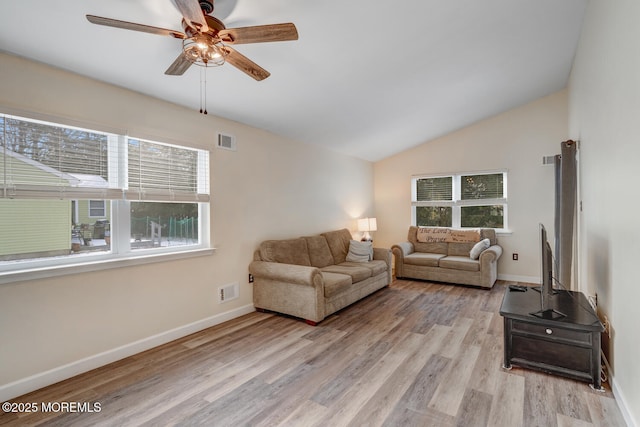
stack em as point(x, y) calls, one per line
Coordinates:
point(368, 79)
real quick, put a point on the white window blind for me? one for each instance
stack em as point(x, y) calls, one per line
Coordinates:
point(482, 186)
point(44, 160)
point(162, 172)
point(434, 189)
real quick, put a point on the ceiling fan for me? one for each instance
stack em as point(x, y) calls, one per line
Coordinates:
point(206, 40)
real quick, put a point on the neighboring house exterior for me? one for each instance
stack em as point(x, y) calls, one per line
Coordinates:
point(37, 227)
point(89, 211)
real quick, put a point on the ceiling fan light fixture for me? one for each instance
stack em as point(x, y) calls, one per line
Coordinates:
point(204, 50)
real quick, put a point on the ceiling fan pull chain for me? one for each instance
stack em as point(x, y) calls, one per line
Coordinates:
point(204, 70)
point(203, 90)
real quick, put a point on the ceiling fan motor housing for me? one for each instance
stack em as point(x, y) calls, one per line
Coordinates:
point(215, 25)
point(206, 6)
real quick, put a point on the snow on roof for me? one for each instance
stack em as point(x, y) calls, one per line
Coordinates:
point(94, 181)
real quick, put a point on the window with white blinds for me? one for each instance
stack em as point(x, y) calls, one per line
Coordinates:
point(460, 200)
point(68, 194)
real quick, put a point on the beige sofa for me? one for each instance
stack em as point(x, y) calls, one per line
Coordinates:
point(446, 260)
point(309, 277)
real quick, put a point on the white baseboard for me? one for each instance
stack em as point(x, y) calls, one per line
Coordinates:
point(515, 278)
point(52, 376)
point(620, 399)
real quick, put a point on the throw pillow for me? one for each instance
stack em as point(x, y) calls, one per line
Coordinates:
point(360, 251)
point(478, 248)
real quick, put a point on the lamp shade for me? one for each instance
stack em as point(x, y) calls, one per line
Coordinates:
point(367, 224)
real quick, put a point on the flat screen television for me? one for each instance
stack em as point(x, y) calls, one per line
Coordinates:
point(546, 288)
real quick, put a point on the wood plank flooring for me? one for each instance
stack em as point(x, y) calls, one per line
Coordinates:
point(412, 354)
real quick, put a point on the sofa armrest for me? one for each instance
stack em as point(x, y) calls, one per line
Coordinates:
point(401, 250)
point(296, 290)
point(489, 265)
point(382, 254)
point(385, 255)
point(491, 254)
point(404, 248)
point(291, 273)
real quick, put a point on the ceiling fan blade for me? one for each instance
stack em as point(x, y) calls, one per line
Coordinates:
point(245, 65)
point(192, 14)
point(259, 34)
point(135, 27)
point(179, 66)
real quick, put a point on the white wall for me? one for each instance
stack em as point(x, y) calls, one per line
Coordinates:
point(269, 188)
point(605, 116)
point(517, 141)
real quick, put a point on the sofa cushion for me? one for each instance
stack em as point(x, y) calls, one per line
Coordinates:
point(489, 233)
point(460, 263)
point(460, 249)
point(319, 252)
point(291, 251)
point(376, 266)
point(338, 242)
point(419, 258)
point(335, 283)
point(464, 249)
point(478, 248)
point(357, 273)
point(447, 235)
point(359, 251)
point(434, 248)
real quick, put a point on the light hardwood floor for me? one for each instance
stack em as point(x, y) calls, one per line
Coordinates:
point(412, 354)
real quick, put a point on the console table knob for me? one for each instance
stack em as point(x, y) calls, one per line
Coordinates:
point(548, 331)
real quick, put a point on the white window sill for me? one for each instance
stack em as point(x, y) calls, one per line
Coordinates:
point(504, 232)
point(85, 267)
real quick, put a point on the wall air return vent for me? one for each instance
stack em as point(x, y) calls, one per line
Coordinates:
point(226, 142)
point(228, 292)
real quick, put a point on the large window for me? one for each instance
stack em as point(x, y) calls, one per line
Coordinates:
point(70, 195)
point(460, 200)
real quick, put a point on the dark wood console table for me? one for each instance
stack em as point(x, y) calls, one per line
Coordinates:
point(567, 346)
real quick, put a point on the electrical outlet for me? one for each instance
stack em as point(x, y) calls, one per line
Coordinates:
point(250, 278)
point(514, 256)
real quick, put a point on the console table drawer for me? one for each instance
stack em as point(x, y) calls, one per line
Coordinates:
point(553, 333)
point(552, 353)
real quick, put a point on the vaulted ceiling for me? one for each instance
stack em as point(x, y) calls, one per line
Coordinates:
point(367, 79)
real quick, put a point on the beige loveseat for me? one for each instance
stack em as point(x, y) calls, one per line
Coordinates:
point(443, 255)
point(310, 278)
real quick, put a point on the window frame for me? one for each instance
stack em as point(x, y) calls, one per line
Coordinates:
point(120, 253)
point(103, 208)
point(457, 203)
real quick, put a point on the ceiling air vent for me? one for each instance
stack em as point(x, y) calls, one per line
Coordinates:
point(227, 142)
